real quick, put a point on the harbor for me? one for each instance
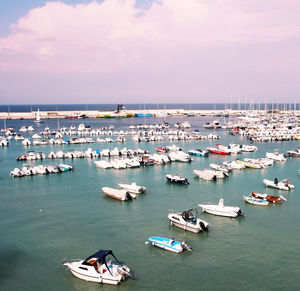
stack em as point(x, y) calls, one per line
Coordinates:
point(68, 215)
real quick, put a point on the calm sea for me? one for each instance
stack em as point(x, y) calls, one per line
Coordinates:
point(47, 218)
point(186, 106)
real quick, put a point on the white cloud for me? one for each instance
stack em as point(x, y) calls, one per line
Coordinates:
point(115, 35)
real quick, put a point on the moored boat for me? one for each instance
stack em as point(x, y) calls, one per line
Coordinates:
point(177, 179)
point(294, 153)
point(198, 153)
point(120, 194)
point(169, 244)
point(282, 185)
point(99, 269)
point(256, 201)
point(214, 150)
point(221, 210)
point(250, 164)
point(188, 220)
point(205, 175)
point(268, 197)
point(133, 188)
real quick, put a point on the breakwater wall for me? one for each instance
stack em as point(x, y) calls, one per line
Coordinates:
point(158, 112)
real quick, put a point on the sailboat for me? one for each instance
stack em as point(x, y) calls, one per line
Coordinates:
point(38, 117)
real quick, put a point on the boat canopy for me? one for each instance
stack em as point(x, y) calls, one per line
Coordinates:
point(99, 257)
point(188, 215)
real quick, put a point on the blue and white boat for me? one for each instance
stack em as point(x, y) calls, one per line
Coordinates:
point(256, 201)
point(198, 153)
point(169, 244)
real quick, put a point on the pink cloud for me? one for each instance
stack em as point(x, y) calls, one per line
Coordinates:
point(183, 49)
point(115, 34)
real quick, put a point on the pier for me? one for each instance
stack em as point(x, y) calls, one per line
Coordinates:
point(153, 112)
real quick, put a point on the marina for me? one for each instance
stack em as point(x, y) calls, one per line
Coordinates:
point(49, 217)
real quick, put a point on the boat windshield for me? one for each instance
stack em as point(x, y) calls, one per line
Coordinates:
point(188, 216)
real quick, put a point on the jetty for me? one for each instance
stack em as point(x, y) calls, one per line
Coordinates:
point(132, 113)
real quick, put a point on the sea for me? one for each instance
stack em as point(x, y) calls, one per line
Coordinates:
point(45, 219)
point(185, 106)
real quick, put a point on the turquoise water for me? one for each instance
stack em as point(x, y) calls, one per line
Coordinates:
point(47, 218)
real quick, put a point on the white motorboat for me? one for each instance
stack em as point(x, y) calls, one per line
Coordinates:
point(276, 156)
point(99, 268)
point(169, 244)
point(248, 148)
point(120, 194)
point(205, 174)
point(222, 168)
point(221, 210)
point(133, 188)
point(234, 165)
point(282, 185)
point(118, 164)
point(132, 162)
point(103, 164)
point(26, 142)
point(188, 220)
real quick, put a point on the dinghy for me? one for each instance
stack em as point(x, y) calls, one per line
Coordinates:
point(188, 220)
point(99, 268)
point(205, 174)
point(122, 194)
point(169, 244)
point(221, 210)
point(256, 201)
point(282, 185)
point(133, 188)
point(270, 198)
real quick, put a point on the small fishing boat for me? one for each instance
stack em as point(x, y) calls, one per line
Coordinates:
point(234, 165)
point(222, 168)
point(120, 194)
point(221, 210)
point(205, 175)
point(276, 156)
point(169, 244)
point(282, 185)
point(294, 153)
point(65, 167)
point(214, 150)
point(103, 164)
point(256, 201)
point(198, 153)
point(177, 179)
point(250, 164)
point(99, 268)
point(162, 150)
point(188, 220)
point(268, 197)
point(133, 188)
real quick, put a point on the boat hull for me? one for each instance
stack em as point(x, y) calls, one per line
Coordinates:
point(166, 244)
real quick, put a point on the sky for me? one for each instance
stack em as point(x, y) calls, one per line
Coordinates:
point(144, 51)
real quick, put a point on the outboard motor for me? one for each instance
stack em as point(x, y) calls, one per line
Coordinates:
point(241, 213)
point(202, 225)
point(186, 246)
point(128, 196)
point(125, 271)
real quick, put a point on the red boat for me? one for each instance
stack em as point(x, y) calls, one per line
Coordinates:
point(270, 198)
point(217, 151)
point(161, 150)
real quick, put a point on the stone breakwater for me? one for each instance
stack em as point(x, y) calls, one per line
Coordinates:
point(95, 113)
